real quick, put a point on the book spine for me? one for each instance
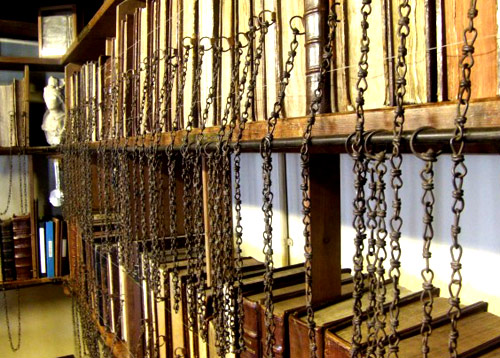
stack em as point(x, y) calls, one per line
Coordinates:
point(315, 17)
point(22, 257)
point(49, 244)
point(22, 247)
point(42, 250)
point(251, 329)
point(8, 266)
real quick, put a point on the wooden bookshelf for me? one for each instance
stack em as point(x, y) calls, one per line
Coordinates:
point(90, 43)
point(334, 128)
point(35, 64)
point(30, 150)
point(10, 285)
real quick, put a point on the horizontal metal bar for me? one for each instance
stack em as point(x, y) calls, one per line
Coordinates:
point(336, 143)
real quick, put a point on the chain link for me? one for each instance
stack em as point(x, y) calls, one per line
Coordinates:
point(13, 347)
point(360, 172)
point(396, 222)
point(305, 173)
point(188, 188)
point(172, 185)
point(266, 154)
point(428, 201)
point(459, 171)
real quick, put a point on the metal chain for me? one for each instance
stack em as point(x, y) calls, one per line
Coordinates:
point(217, 230)
point(199, 247)
point(359, 170)
point(233, 101)
point(396, 222)
point(239, 344)
point(428, 200)
point(188, 204)
point(459, 171)
point(377, 211)
point(305, 172)
point(13, 347)
point(266, 154)
point(171, 176)
point(371, 259)
point(9, 190)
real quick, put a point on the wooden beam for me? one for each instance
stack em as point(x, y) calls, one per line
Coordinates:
point(324, 190)
point(90, 43)
point(18, 30)
point(35, 64)
point(482, 113)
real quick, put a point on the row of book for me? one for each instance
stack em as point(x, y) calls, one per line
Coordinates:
point(433, 45)
point(53, 248)
point(27, 254)
point(12, 121)
point(158, 327)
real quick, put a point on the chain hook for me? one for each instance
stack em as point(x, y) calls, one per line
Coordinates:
point(430, 155)
point(295, 29)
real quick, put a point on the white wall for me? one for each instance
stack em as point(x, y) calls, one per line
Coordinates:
point(480, 221)
point(15, 204)
point(46, 323)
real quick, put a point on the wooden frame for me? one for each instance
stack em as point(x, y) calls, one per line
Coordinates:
point(44, 48)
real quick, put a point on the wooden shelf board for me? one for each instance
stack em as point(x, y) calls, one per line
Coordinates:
point(90, 43)
point(34, 63)
point(18, 30)
point(482, 113)
point(9, 285)
point(41, 150)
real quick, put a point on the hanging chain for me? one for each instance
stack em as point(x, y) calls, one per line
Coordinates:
point(459, 171)
point(233, 101)
point(266, 154)
point(371, 225)
point(172, 179)
point(428, 200)
point(305, 173)
point(239, 344)
point(359, 170)
point(217, 230)
point(396, 222)
point(13, 347)
point(199, 247)
point(377, 211)
point(9, 190)
point(187, 179)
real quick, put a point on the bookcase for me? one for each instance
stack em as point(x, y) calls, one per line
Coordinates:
point(30, 150)
point(145, 230)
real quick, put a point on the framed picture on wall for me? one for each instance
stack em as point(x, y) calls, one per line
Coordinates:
point(56, 30)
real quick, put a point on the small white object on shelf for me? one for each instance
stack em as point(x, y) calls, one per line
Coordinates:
point(54, 117)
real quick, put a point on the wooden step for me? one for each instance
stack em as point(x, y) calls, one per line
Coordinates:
point(332, 314)
point(292, 295)
point(337, 342)
point(475, 330)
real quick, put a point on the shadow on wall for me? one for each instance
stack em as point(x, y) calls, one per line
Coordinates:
point(480, 220)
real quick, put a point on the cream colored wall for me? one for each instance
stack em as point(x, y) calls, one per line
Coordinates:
point(480, 222)
point(15, 203)
point(46, 323)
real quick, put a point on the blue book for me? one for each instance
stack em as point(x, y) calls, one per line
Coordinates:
point(49, 245)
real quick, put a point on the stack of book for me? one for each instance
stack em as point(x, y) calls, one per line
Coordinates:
point(22, 247)
point(8, 264)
